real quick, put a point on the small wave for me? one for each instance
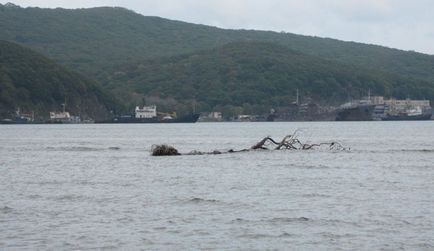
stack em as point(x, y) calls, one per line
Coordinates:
point(286, 235)
point(341, 222)
point(6, 209)
point(424, 246)
point(312, 167)
point(336, 236)
point(81, 148)
point(73, 149)
point(262, 236)
point(418, 150)
point(277, 220)
point(82, 237)
point(48, 182)
point(289, 220)
point(200, 200)
point(68, 197)
point(240, 220)
point(377, 151)
point(256, 236)
point(34, 196)
point(315, 195)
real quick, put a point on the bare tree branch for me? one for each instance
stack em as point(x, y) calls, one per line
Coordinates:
point(289, 142)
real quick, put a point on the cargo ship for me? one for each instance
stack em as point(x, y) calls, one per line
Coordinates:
point(359, 110)
point(19, 118)
point(63, 117)
point(16, 120)
point(416, 113)
point(355, 113)
point(378, 108)
point(148, 114)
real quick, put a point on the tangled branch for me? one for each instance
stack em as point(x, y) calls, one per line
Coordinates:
point(289, 142)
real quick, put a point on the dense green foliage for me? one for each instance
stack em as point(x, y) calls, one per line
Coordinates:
point(93, 39)
point(34, 83)
point(262, 74)
point(176, 64)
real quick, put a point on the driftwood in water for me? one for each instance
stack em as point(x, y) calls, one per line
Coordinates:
point(164, 150)
point(289, 142)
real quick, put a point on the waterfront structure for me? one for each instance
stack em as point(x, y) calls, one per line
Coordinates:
point(63, 117)
point(147, 112)
point(378, 108)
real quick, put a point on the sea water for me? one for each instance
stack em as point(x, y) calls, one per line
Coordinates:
point(81, 187)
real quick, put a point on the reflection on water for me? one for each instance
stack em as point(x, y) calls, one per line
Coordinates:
point(97, 187)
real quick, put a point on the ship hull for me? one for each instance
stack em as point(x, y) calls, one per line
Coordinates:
point(13, 122)
point(192, 118)
point(408, 118)
point(359, 113)
point(16, 121)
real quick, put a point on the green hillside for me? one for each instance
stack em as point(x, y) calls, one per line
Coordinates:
point(263, 75)
point(94, 40)
point(32, 82)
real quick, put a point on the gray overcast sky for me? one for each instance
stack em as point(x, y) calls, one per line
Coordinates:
point(403, 24)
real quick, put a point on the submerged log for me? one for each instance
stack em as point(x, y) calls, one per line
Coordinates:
point(289, 142)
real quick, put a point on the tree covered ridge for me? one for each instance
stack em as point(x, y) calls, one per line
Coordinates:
point(93, 40)
point(33, 82)
point(258, 73)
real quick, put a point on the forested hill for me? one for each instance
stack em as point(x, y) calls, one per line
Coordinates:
point(175, 64)
point(258, 74)
point(94, 40)
point(32, 82)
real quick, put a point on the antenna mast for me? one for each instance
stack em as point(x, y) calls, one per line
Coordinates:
point(297, 100)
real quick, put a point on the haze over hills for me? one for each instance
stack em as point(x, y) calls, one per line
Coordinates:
point(110, 44)
point(32, 82)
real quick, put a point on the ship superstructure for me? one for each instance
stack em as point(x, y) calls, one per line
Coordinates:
point(63, 117)
point(378, 108)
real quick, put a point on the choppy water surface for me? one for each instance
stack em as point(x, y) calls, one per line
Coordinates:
point(97, 187)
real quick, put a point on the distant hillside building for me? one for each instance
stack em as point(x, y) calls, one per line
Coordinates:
point(215, 115)
point(59, 116)
point(146, 112)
